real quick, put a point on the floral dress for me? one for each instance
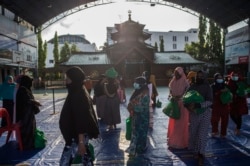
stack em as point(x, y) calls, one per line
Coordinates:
point(139, 110)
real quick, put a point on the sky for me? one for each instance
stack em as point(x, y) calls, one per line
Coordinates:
point(92, 22)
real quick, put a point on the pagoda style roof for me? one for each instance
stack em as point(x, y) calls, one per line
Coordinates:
point(130, 28)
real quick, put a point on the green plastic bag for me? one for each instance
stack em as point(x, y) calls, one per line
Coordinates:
point(91, 151)
point(248, 90)
point(78, 158)
point(242, 89)
point(40, 140)
point(172, 110)
point(193, 96)
point(128, 128)
point(158, 104)
point(226, 97)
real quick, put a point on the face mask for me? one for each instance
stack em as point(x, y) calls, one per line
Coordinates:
point(177, 76)
point(219, 81)
point(136, 86)
point(235, 78)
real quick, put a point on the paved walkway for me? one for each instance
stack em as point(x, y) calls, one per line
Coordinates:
point(110, 148)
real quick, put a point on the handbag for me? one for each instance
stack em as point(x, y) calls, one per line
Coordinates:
point(172, 110)
point(128, 128)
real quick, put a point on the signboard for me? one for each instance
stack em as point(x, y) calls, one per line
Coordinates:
point(243, 59)
point(6, 54)
point(237, 54)
point(17, 56)
point(240, 49)
point(4, 61)
point(237, 46)
point(237, 36)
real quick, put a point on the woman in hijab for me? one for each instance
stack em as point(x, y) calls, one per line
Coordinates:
point(25, 115)
point(178, 128)
point(199, 123)
point(111, 115)
point(138, 108)
point(191, 77)
point(220, 112)
point(77, 121)
point(239, 105)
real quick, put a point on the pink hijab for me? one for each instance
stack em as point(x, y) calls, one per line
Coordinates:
point(178, 87)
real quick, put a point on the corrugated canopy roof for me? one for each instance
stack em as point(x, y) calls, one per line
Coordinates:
point(160, 58)
point(38, 12)
point(88, 59)
point(175, 58)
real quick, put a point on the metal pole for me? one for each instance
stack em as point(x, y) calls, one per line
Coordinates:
point(18, 68)
point(45, 92)
point(54, 109)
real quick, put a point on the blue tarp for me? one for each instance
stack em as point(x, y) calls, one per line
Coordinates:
point(110, 147)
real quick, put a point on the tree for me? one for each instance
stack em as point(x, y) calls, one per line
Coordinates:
point(104, 47)
point(210, 45)
point(56, 50)
point(222, 58)
point(202, 37)
point(44, 54)
point(193, 49)
point(214, 42)
point(41, 58)
point(65, 53)
point(74, 48)
point(162, 45)
point(198, 50)
point(156, 47)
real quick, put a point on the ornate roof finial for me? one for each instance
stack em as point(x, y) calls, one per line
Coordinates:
point(129, 15)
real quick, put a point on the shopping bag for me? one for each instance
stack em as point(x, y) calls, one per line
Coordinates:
point(128, 128)
point(193, 96)
point(241, 89)
point(79, 160)
point(226, 97)
point(158, 104)
point(91, 151)
point(172, 110)
point(87, 159)
point(40, 140)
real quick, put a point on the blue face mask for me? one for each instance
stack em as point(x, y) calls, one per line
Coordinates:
point(235, 78)
point(136, 85)
point(219, 81)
